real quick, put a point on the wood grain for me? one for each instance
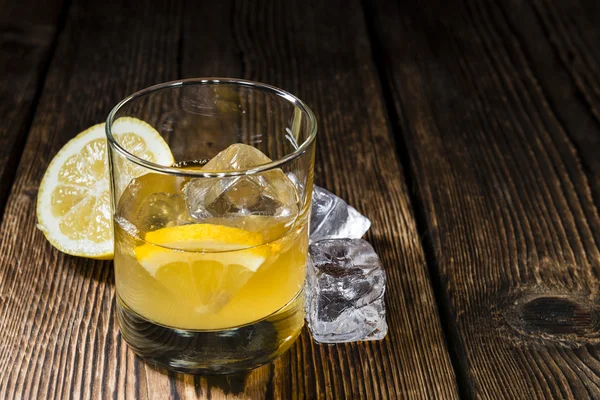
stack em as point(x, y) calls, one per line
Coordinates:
point(496, 102)
point(57, 312)
point(565, 33)
point(27, 35)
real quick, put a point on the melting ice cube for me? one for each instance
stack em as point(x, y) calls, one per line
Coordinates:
point(269, 193)
point(345, 288)
point(332, 218)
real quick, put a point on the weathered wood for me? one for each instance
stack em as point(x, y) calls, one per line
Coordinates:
point(57, 312)
point(27, 34)
point(566, 33)
point(496, 102)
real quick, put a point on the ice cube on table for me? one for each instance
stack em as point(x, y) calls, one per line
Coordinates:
point(344, 294)
point(332, 218)
point(269, 193)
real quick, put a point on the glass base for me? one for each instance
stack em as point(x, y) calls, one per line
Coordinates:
point(217, 351)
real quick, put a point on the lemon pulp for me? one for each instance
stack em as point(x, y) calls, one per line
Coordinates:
point(73, 207)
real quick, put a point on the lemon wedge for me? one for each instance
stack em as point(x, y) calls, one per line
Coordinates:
point(73, 205)
point(204, 265)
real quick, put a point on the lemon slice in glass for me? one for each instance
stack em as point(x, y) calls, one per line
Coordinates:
point(205, 265)
point(73, 206)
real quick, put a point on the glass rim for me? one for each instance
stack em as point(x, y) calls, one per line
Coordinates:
point(213, 174)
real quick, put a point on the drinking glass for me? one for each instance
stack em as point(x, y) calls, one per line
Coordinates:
point(211, 245)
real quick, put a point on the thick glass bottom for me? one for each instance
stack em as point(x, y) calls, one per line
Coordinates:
point(223, 351)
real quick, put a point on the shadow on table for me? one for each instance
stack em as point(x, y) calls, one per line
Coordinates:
point(230, 384)
point(382, 245)
point(97, 270)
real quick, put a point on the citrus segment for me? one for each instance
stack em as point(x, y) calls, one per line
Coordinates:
point(212, 263)
point(73, 206)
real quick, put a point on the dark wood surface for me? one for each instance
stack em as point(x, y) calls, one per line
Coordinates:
point(28, 32)
point(496, 102)
point(468, 132)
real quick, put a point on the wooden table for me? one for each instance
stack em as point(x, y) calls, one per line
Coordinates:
point(469, 133)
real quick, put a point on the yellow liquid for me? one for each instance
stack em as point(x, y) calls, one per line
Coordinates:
point(171, 297)
point(192, 309)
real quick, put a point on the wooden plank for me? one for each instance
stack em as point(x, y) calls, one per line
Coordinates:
point(489, 105)
point(57, 312)
point(27, 33)
point(565, 32)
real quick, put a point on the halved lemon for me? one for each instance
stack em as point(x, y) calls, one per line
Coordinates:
point(73, 207)
point(205, 265)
